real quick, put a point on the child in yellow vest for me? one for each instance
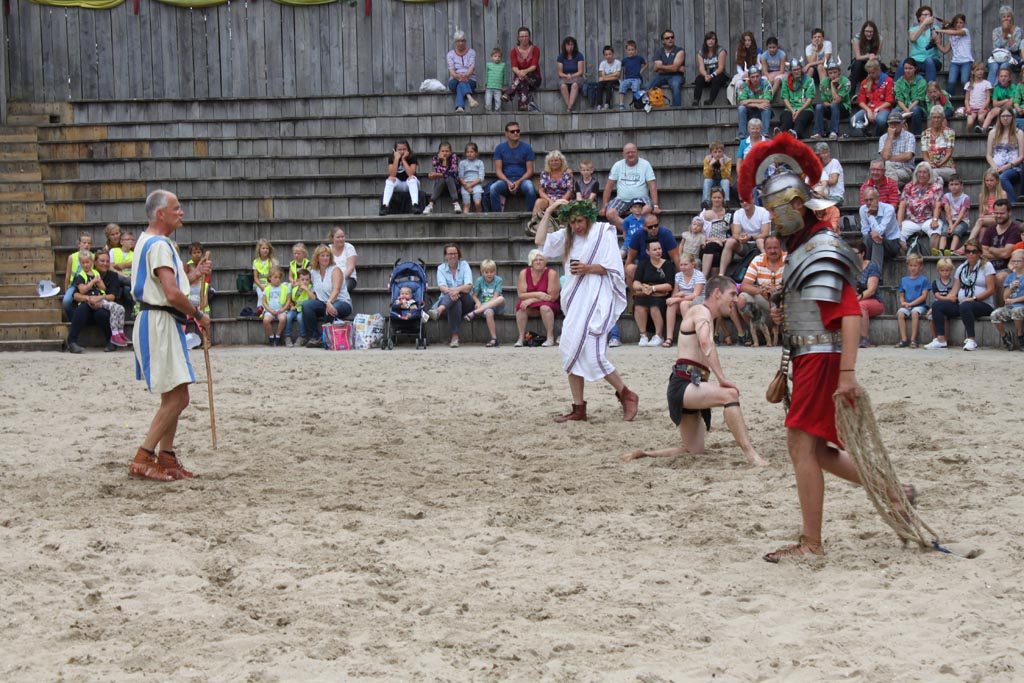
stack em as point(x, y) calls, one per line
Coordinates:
point(302, 291)
point(300, 259)
point(261, 266)
point(73, 268)
point(276, 301)
point(195, 294)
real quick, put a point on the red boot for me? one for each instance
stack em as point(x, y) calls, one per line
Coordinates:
point(168, 460)
point(579, 413)
point(630, 401)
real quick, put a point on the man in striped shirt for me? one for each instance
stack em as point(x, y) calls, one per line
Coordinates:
point(888, 189)
point(763, 278)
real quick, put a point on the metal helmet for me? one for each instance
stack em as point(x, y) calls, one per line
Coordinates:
point(833, 63)
point(795, 64)
point(754, 71)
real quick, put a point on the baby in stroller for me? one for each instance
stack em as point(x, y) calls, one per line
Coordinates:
point(405, 306)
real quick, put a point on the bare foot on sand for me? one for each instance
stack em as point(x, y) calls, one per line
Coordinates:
point(755, 459)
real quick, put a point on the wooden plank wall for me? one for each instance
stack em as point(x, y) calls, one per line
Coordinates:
point(3, 73)
point(263, 49)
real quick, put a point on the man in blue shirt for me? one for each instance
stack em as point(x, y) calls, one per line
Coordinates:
point(636, 249)
point(669, 67)
point(513, 165)
point(882, 237)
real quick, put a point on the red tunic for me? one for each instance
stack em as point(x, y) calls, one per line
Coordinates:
point(816, 375)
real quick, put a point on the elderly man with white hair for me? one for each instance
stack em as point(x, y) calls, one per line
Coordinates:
point(161, 286)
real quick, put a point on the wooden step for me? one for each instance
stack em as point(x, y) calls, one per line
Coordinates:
point(26, 290)
point(32, 331)
point(31, 345)
point(31, 316)
point(25, 254)
point(23, 230)
point(21, 273)
point(24, 194)
point(29, 301)
point(26, 241)
point(28, 208)
point(19, 166)
point(22, 218)
point(33, 176)
point(64, 191)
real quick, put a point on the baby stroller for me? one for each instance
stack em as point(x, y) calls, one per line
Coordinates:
point(403, 321)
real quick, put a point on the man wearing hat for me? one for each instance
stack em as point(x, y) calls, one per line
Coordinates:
point(896, 148)
point(161, 286)
point(755, 99)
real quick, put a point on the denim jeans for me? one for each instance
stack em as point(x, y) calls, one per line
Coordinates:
point(294, 315)
point(881, 121)
point(959, 74)
point(765, 114)
point(500, 187)
point(461, 89)
point(835, 112)
point(993, 70)
point(705, 195)
point(454, 309)
point(917, 119)
point(314, 310)
point(931, 68)
point(1010, 180)
point(675, 83)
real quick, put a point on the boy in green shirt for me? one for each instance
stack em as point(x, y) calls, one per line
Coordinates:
point(797, 98)
point(754, 97)
point(910, 93)
point(494, 81)
point(835, 101)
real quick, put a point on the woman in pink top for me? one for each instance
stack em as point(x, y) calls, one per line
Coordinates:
point(538, 290)
point(525, 62)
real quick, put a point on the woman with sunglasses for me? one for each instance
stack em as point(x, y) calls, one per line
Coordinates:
point(974, 283)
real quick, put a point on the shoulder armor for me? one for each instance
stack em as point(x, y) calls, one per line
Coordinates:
point(818, 268)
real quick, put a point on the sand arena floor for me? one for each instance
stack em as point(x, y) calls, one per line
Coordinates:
point(429, 522)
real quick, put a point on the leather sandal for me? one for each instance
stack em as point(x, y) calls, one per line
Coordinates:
point(802, 548)
point(145, 466)
point(168, 460)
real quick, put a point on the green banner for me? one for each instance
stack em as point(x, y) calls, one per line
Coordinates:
point(84, 4)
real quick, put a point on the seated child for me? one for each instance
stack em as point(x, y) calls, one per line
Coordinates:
point(913, 300)
point(1013, 303)
point(717, 172)
point(942, 286)
point(72, 268)
point(300, 260)
point(89, 282)
point(471, 178)
point(633, 66)
point(587, 185)
point(198, 283)
point(275, 302)
point(302, 291)
point(486, 294)
point(693, 241)
point(406, 307)
point(956, 206)
point(632, 224)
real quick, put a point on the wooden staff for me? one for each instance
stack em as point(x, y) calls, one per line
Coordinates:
point(203, 293)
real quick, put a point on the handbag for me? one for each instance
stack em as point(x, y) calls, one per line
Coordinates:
point(337, 336)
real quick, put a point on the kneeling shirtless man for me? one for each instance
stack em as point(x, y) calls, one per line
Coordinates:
point(690, 396)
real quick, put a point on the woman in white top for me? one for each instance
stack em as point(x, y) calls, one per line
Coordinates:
point(332, 299)
point(963, 52)
point(345, 257)
point(832, 184)
point(974, 283)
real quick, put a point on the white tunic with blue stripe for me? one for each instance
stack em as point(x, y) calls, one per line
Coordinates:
point(161, 355)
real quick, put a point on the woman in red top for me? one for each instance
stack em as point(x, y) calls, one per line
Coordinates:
point(525, 61)
point(538, 291)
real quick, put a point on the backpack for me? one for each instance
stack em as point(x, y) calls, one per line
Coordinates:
point(656, 96)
